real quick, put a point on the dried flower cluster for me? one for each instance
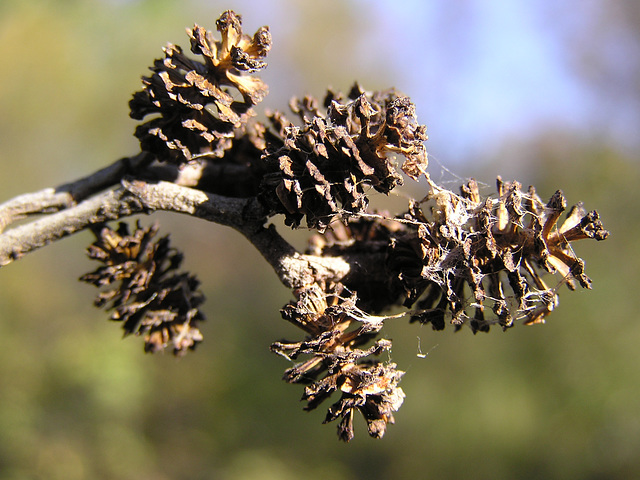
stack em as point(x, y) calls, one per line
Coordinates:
point(450, 258)
point(146, 293)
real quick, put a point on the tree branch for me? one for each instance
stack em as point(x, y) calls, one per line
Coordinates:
point(245, 215)
point(24, 239)
point(70, 194)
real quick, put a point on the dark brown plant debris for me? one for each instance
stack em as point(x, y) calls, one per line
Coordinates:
point(333, 362)
point(194, 109)
point(145, 292)
point(324, 167)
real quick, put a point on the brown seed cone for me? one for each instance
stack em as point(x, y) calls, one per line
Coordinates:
point(145, 293)
point(322, 168)
point(336, 328)
point(470, 254)
point(195, 112)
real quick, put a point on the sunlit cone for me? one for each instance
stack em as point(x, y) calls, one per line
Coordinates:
point(324, 167)
point(192, 102)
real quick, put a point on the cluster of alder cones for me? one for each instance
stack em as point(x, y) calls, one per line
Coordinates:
point(452, 258)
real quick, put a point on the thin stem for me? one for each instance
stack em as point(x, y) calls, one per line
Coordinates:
point(19, 241)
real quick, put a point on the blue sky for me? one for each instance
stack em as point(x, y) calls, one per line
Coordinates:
point(489, 71)
point(481, 72)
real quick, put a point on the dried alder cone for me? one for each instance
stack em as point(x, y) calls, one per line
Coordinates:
point(335, 328)
point(324, 167)
point(198, 114)
point(468, 253)
point(145, 292)
point(450, 258)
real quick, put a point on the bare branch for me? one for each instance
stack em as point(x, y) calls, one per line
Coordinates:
point(248, 217)
point(294, 269)
point(66, 196)
point(23, 239)
point(237, 213)
point(245, 215)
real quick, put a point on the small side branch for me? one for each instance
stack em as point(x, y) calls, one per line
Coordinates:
point(66, 196)
point(24, 239)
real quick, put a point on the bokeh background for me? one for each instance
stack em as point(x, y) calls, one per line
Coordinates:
point(545, 92)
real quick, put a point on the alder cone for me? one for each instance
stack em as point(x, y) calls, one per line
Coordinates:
point(194, 107)
point(323, 169)
point(336, 328)
point(472, 256)
point(145, 292)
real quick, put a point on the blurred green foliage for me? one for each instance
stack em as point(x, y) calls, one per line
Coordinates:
point(76, 402)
